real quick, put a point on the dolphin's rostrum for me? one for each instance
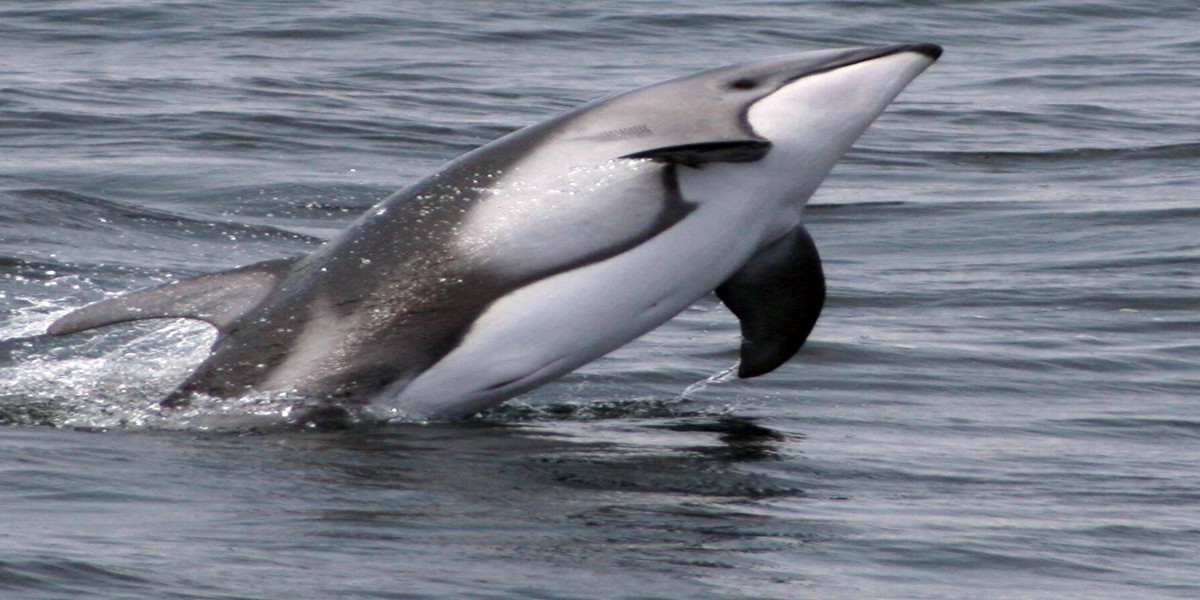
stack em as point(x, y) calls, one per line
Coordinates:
point(536, 253)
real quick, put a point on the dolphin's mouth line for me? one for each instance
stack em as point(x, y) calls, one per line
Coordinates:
point(933, 51)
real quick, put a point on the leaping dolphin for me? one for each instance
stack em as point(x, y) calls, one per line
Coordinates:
point(552, 246)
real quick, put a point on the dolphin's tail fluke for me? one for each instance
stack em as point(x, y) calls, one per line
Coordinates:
point(218, 298)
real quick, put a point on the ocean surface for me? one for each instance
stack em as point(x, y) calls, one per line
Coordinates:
point(1001, 399)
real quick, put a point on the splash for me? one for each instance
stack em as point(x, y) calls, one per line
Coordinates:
point(718, 378)
point(113, 378)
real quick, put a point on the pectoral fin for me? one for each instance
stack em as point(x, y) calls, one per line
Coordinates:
point(694, 155)
point(777, 296)
point(218, 298)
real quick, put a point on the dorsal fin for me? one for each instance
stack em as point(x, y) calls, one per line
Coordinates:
point(218, 298)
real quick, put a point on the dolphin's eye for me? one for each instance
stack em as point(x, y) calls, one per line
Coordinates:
point(744, 83)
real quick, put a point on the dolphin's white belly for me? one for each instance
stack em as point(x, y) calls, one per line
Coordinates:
point(553, 326)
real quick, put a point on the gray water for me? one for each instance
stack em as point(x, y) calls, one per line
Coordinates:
point(1001, 400)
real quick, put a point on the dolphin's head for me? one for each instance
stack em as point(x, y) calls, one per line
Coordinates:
point(812, 113)
point(799, 111)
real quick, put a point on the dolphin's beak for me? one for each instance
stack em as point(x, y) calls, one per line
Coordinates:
point(859, 55)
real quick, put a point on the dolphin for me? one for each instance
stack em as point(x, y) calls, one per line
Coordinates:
point(532, 255)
